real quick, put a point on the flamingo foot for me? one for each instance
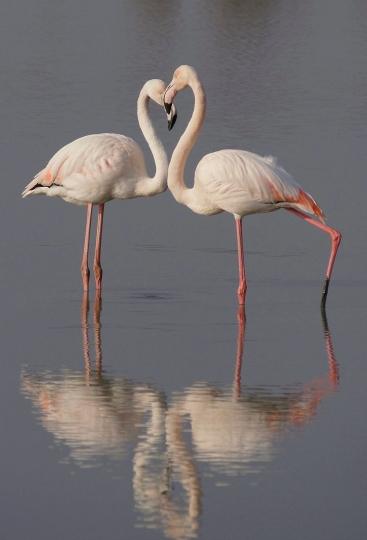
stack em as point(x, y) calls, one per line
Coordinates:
point(98, 275)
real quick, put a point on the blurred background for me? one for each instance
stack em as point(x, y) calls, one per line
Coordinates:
point(161, 411)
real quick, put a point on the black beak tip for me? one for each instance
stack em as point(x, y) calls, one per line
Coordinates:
point(167, 107)
point(171, 122)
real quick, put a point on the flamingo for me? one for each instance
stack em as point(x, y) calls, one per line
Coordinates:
point(98, 168)
point(236, 181)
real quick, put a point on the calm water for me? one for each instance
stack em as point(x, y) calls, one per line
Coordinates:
point(161, 410)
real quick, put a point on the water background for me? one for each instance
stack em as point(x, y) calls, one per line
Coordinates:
point(157, 436)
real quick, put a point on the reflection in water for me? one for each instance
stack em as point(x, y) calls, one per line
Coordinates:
point(235, 431)
point(95, 415)
point(232, 430)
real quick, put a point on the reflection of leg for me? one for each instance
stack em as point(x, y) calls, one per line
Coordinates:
point(333, 365)
point(241, 264)
point(335, 241)
point(84, 318)
point(97, 256)
point(304, 409)
point(241, 318)
point(97, 330)
point(85, 269)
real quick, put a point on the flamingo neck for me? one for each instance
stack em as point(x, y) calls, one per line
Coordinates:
point(157, 184)
point(176, 182)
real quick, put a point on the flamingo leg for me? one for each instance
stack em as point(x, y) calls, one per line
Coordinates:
point(335, 241)
point(97, 256)
point(84, 268)
point(241, 264)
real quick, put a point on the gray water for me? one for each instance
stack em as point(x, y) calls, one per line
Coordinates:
point(160, 410)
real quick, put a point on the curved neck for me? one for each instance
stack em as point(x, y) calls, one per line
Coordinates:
point(176, 168)
point(159, 182)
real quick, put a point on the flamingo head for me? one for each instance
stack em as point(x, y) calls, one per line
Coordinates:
point(155, 89)
point(183, 77)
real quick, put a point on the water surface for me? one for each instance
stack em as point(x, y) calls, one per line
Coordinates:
point(160, 410)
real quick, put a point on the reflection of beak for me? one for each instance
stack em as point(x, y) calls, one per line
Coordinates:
point(171, 115)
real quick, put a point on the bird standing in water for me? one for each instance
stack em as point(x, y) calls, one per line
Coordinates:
point(98, 168)
point(235, 181)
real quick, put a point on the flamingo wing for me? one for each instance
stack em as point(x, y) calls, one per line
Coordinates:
point(243, 183)
point(89, 166)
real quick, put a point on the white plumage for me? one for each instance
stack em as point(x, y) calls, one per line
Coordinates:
point(93, 169)
point(244, 183)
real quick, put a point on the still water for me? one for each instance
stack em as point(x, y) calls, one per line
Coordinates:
point(160, 409)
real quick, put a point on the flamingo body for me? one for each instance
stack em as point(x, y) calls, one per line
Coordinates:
point(244, 183)
point(94, 169)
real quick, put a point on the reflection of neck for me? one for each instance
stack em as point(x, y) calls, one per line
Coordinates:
point(177, 523)
point(149, 457)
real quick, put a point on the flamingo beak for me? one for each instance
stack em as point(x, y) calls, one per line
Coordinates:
point(172, 116)
point(168, 97)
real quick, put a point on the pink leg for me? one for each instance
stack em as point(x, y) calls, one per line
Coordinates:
point(97, 255)
point(335, 241)
point(85, 269)
point(241, 264)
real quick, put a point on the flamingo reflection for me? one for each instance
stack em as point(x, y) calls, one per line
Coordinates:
point(232, 430)
point(98, 416)
point(95, 415)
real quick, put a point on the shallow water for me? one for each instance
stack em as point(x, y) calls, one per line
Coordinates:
point(161, 410)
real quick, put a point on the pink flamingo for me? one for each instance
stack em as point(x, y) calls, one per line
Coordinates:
point(98, 168)
point(235, 181)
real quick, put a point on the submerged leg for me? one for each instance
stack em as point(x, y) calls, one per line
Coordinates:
point(85, 269)
point(241, 319)
point(85, 327)
point(335, 241)
point(97, 256)
point(241, 264)
point(97, 331)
